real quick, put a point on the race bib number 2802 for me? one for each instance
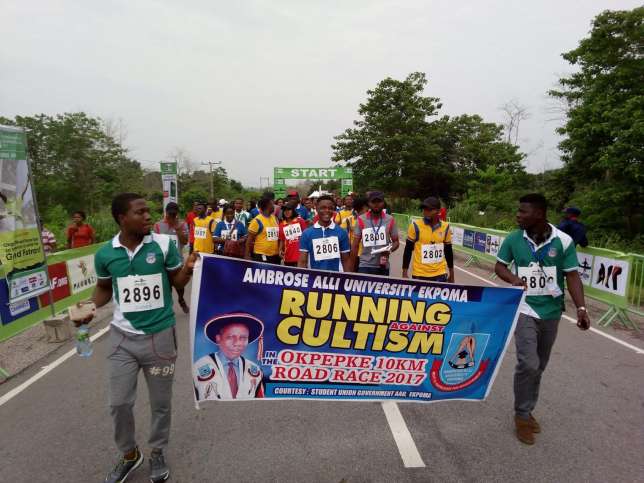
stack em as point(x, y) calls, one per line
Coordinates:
point(138, 293)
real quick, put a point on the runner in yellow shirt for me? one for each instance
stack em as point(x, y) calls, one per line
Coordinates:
point(204, 227)
point(347, 209)
point(430, 242)
point(263, 235)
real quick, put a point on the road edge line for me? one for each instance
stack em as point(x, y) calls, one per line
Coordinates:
point(406, 445)
point(46, 369)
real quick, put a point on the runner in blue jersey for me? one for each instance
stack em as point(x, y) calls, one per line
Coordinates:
point(325, 245)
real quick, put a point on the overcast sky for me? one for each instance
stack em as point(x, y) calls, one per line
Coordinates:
point(257, 84)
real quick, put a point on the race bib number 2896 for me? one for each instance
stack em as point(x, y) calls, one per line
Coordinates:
point(138, 293)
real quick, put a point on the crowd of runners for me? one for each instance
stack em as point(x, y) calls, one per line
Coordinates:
point(142, 263)
point(351, 234)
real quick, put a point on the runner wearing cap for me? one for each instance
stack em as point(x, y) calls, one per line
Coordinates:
point(429, 246)
point(572, 227)
point(263, 235)
point(377, 234)
point(177, 230)
point(325, 245)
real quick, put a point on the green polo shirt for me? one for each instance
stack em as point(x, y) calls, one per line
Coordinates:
point(557, 251)
point(155, 255)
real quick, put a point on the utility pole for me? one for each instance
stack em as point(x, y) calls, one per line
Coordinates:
point(261, 182)
point(212, 178)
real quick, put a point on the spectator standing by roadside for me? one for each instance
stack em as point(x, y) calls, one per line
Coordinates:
point(79, 233)
point(572, 227)
point(178, 232)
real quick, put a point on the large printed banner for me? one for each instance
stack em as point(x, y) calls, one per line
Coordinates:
point(266, 331)
point(21, 253)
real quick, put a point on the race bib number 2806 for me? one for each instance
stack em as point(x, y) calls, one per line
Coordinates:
point(138, 293)
point(326, 248)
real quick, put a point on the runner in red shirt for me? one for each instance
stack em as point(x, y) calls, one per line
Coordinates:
point(291, 229)
point(79, 233)
point(190, 217)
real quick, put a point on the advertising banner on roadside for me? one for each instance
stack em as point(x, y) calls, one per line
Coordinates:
point(271, 332)
point(170, 183)
point(22, 259)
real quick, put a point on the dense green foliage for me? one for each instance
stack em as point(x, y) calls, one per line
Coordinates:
point(397, 147)
point(603, 147)
point(77, 164)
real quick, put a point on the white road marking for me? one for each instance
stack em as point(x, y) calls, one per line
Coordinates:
point(570, 319)
point(46, 369)
point(406, 446)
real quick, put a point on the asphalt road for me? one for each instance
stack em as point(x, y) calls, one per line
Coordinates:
point(591, 412)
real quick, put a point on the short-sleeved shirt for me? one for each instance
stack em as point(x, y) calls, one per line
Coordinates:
point(82, 236)
point(230, 231)
point(325, 246)
point(203, 230)
point(143, 278)
point(344, 214)
point(164, 228)
point(429, 247)
point(290, 234)
point(190, 218)
point(266, 231)
point(374, 233)
point(303, 212)
point(557, 251)
point(242, 216)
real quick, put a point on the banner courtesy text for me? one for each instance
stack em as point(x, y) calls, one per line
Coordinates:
point(264, 331)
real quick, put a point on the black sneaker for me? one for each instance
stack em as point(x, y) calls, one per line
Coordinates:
point(123, 468)
point(159, 471)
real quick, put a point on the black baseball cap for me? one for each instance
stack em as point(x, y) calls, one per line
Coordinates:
point(431, 203)
point(376, 195)
point(172, 206)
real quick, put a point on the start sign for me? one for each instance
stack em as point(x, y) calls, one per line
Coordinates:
point(280, 175)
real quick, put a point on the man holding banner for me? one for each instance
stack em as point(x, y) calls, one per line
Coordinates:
point(139, 268)
point(543, 255)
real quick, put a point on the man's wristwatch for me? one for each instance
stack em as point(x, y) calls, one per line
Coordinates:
point(581, 309)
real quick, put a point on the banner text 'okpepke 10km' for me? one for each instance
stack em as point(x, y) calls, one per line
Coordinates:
point(265, 332)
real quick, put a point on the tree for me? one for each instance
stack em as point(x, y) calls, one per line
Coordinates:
point(604, 130)
point(514, 114)
point(396, 147)
point(74, 162)
point(390, 145)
